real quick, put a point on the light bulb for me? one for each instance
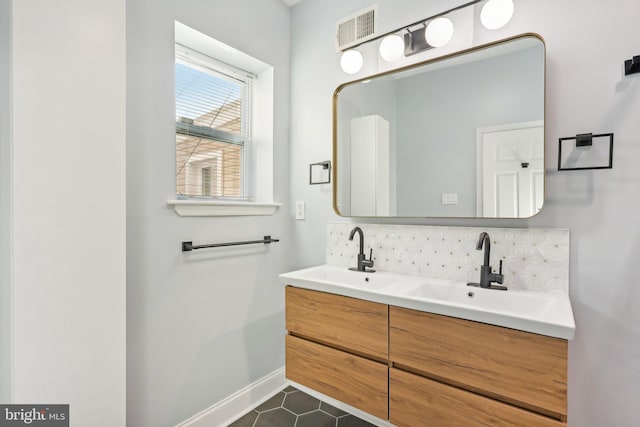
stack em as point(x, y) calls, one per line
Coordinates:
point(496, 14)
point(439, 32)
point(351, 61)
point(391, 48)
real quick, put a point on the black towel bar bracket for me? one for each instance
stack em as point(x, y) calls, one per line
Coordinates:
point(632, 66)
point(189, 246)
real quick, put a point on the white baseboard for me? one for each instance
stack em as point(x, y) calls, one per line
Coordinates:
point(232, 407)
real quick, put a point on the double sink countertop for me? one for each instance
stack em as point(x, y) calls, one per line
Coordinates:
point(545, 313)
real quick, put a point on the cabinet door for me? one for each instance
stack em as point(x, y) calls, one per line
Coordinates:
point(417, 401)
point(521, 368)
point(354, 380)
point(350, 324)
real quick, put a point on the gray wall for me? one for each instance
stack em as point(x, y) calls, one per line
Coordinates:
point(586, 92)
point(202, 325)
point(437, 126)
point(5, 200)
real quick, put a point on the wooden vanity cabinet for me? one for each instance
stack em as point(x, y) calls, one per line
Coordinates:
point(422, 369)
point(476, 361)
point(339, 346)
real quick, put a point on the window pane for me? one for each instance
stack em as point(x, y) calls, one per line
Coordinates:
point(208, 168)
point(212, 115)
point(207, 99)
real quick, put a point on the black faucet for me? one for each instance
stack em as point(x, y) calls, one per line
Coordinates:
point(487, 276)
point(363, 262)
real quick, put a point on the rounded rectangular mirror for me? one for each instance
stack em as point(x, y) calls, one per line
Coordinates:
point(458, 136)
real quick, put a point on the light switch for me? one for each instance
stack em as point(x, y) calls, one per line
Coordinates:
point(449, 198)
point(300, 214)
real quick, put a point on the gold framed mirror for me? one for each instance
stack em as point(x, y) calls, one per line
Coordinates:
point(458, 136)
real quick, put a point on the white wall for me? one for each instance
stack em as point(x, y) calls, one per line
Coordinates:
point(200, 325)
point(5, 200)
point(68, 207)
point(587, 42)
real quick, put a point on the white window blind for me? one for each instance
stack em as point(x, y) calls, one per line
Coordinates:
point(213, 127)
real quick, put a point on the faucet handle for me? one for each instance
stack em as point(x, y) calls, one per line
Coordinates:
point(498, 278)
point(368, 262)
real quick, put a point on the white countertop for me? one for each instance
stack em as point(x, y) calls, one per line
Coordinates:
point(545, 313)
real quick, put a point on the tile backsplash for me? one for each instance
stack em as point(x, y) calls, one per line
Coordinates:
point(533, 259)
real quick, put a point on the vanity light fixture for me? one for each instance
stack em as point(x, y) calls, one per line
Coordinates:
point(391, 48)
point(432, 32)
point(351, 61)
point(496, 14)
point(439, 32)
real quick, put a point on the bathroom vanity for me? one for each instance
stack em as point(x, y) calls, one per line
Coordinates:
point(417, 351)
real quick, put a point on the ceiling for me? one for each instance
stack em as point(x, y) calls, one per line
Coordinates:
point(291, 2)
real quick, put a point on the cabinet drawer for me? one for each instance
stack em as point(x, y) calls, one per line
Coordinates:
point(354, 325)
point(417, 401)
point(521, 368)
point(354, 380)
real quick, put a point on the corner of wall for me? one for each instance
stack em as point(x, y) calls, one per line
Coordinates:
point(5, 201)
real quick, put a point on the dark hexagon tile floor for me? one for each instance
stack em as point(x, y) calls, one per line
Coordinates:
point(294, 408)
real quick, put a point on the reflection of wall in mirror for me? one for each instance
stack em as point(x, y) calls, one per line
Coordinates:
point(436, 127)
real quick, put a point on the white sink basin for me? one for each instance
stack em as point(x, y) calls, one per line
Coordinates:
point(330, 276)
point(519, 303)
point(546, 313)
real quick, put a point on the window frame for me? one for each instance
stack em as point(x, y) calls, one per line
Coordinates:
point(220, 69)
point(262, 132)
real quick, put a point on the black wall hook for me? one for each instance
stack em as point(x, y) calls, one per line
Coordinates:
point(632, 66)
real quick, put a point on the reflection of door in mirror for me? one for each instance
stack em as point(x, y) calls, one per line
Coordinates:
point(510, 170)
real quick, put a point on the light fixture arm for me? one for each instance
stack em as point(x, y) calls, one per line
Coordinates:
point(409, 35)
point(415, 41)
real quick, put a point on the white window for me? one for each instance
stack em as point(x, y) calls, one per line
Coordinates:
point(224, 129)
point(213, 127)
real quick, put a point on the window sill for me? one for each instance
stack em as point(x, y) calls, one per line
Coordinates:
point(222, 208)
